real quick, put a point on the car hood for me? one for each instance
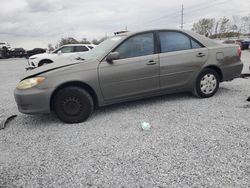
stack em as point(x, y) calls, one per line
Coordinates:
point(49, 67)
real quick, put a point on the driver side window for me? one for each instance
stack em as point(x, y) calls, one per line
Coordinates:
point(139, 45)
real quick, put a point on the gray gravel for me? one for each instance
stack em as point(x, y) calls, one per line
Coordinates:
point(192, 143)
point(245, 57)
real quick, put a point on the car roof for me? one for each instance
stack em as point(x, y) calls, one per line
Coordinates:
point(124, 33)
point(77, 44)
point(202, 39)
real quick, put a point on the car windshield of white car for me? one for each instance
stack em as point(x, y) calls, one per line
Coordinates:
point(103, 47)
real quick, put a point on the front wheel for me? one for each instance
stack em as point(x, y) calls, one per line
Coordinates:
point(73, 105)
point(207, 83)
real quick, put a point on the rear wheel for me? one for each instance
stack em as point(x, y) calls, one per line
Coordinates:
point(207, 83)
point(73, 105)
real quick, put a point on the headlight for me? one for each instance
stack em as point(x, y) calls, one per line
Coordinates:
point(30, 82)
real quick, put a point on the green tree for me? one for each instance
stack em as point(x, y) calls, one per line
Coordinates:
point(246, 23)
point(64, 41)
point(50, 47)
point(224, 25)
point(204, 26)
point(95, 42)
point(85, 41)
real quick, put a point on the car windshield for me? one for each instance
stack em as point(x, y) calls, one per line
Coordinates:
point(102, 48)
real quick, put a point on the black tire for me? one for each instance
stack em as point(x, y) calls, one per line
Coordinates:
point(207, 83)
point(44, 62)
point(73, 105)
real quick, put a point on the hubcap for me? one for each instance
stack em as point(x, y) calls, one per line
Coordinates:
point(72, 106)
point(208, 84)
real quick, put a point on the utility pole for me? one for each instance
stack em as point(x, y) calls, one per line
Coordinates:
point(182, 15)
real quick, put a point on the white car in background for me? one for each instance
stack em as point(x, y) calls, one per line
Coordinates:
point(4, 44)
point(70, 52)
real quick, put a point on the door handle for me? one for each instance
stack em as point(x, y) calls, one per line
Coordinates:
point(200, 55)
point(151, 62)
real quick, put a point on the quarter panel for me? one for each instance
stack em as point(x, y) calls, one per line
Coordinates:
point(227, 60)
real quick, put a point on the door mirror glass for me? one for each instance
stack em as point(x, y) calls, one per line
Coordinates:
point(112, 56)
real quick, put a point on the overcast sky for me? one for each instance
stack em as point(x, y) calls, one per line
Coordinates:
point(35, 23)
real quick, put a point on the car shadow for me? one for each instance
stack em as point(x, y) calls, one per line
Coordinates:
point(158, 100)
point(143, 102)
point(48, 119)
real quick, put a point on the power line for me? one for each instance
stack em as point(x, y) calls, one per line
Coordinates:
point(174, 14)
point(157, 19)
point(214, 3)
point(167, 16)
point(196, 10)
point(190, 10)
point(209, 6)
point(182, 15)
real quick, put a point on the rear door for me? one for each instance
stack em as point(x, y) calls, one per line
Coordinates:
point(135, 73)
point(79, 50)
point(180, 58)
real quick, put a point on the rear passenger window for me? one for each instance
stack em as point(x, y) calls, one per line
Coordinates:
point(174, 41)
point(195, 44)
point(81, 49)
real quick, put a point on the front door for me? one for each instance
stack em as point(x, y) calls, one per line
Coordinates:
point(135, 73)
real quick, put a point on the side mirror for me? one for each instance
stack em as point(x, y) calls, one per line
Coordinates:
point(112, 56)
point(59, 52)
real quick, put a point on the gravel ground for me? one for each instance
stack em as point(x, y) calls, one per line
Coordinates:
point(192, 143)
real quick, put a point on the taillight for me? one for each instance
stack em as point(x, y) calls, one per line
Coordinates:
point(239, 51)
